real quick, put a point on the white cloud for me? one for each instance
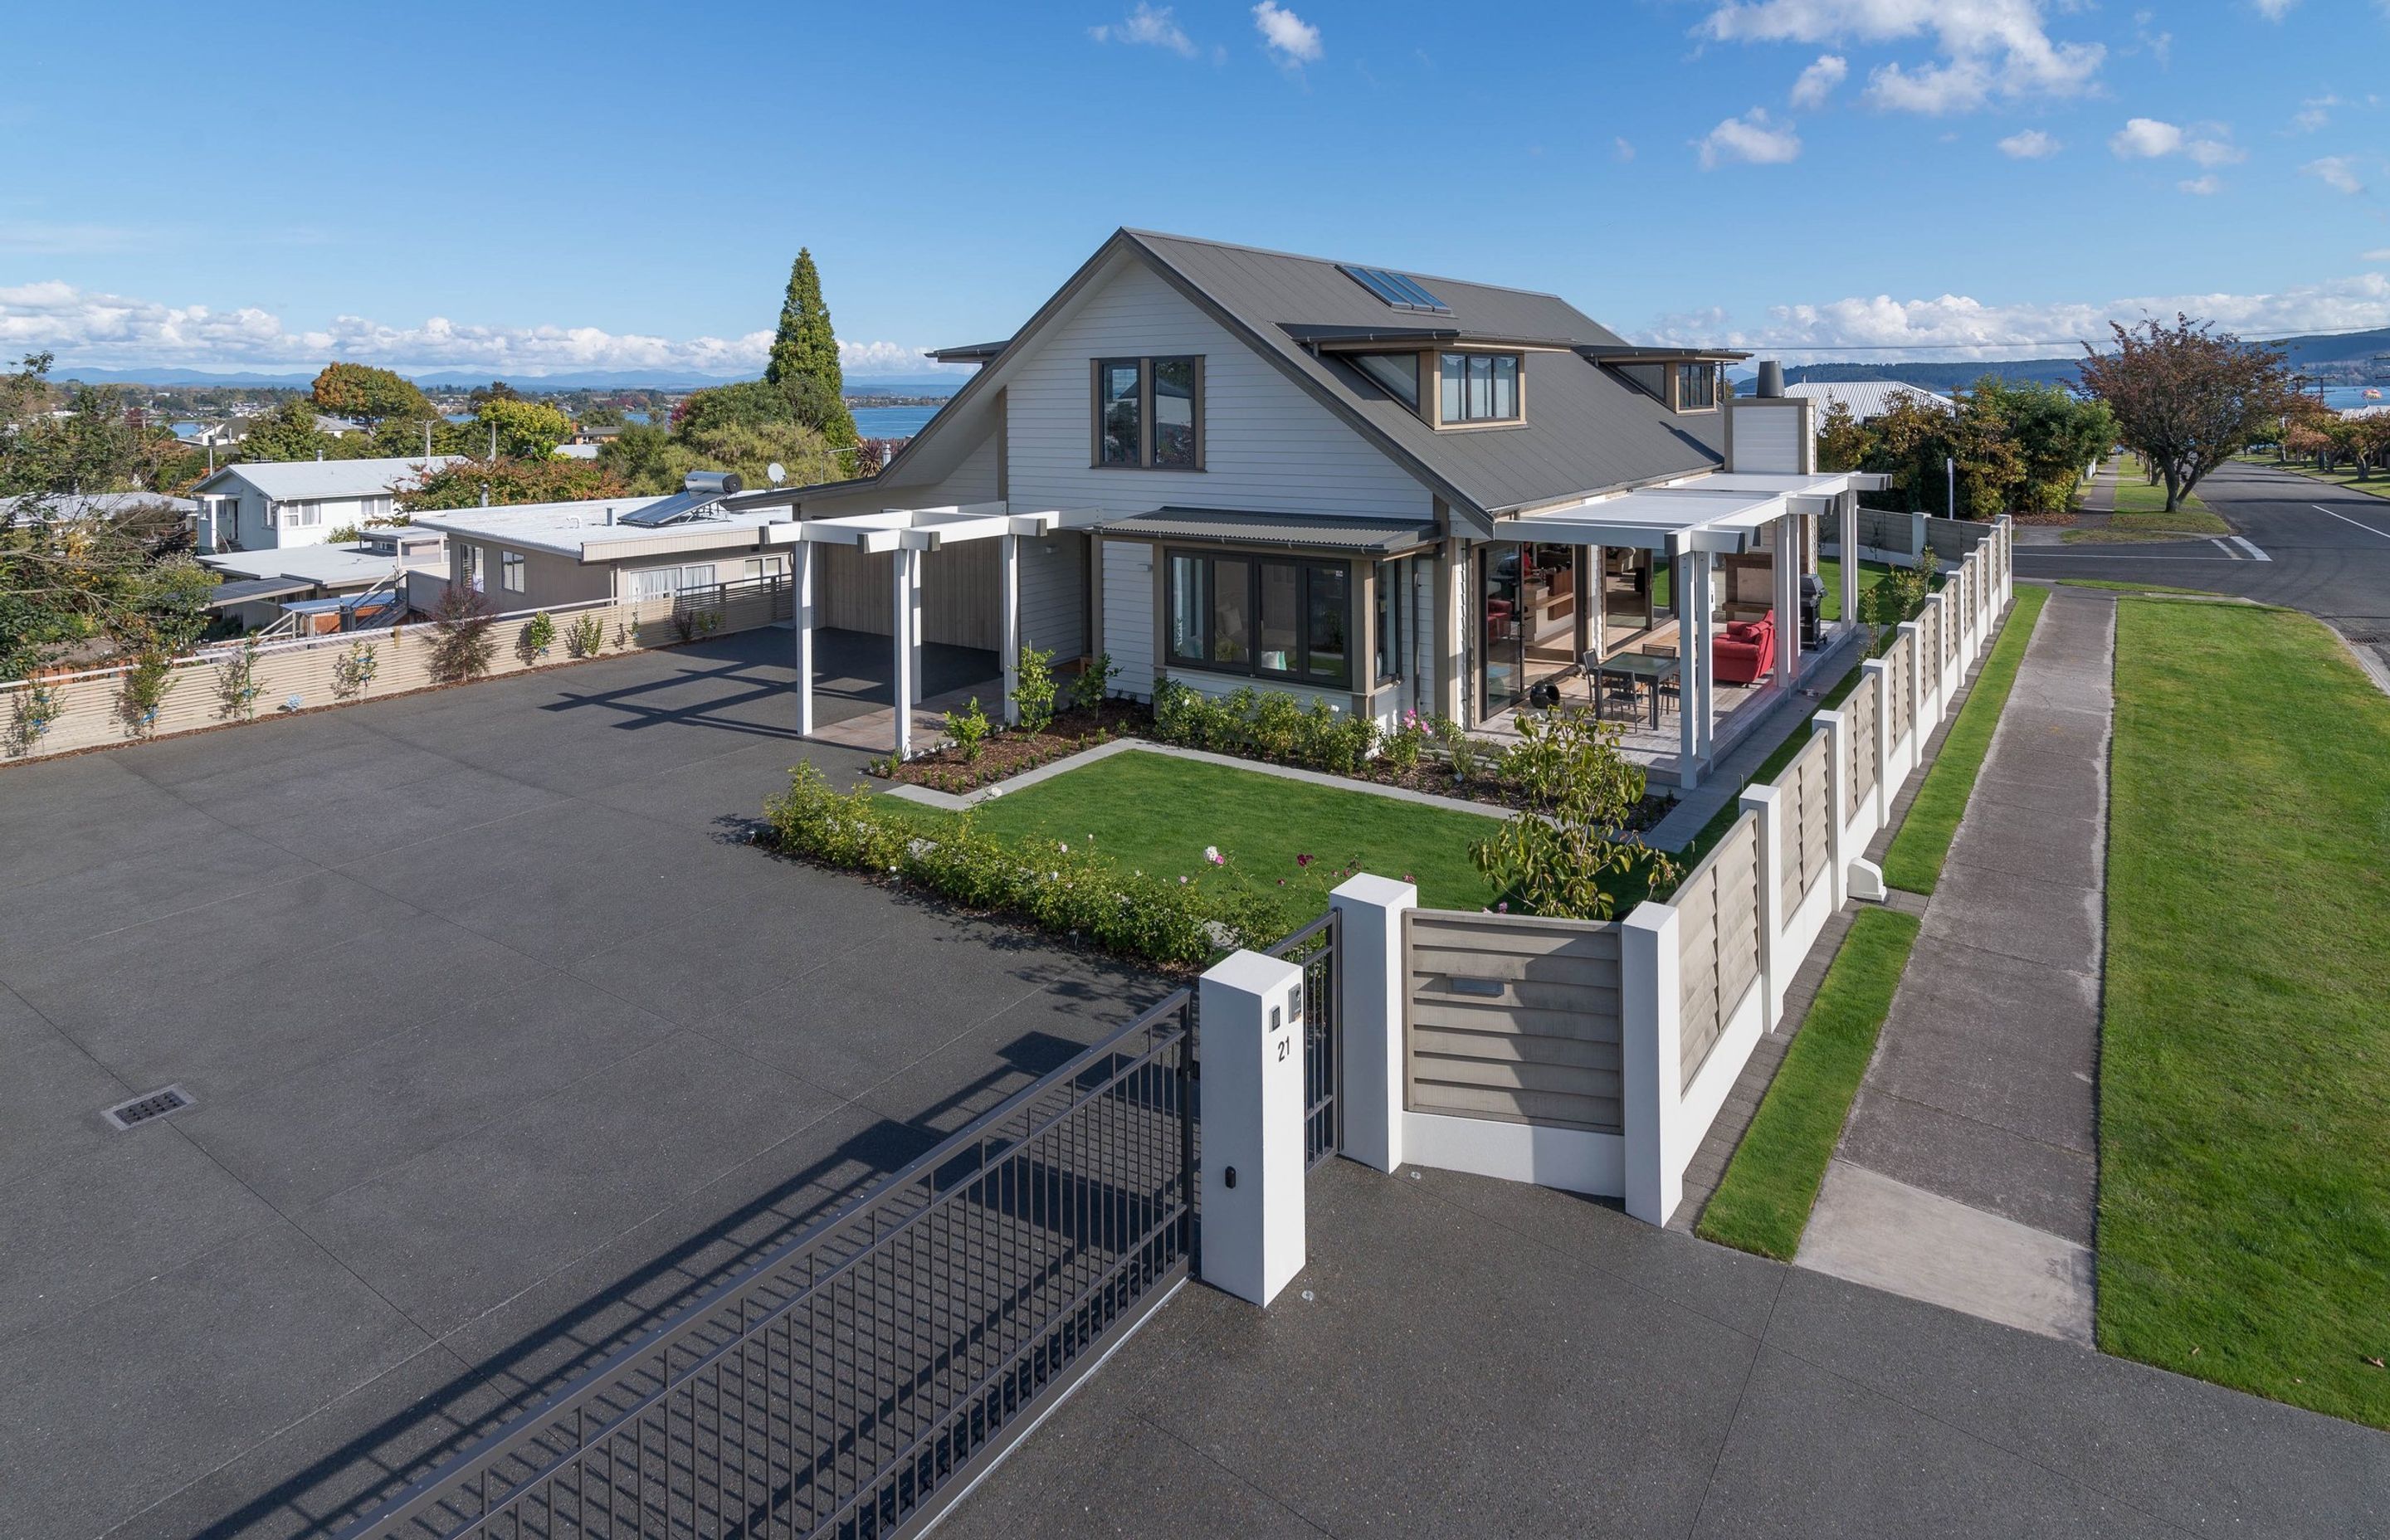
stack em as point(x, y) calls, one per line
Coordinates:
point(1287, 36)
point(1988, 47)
point(1750, 138)
point(108, 331)
point(1817, 82)
point(2214, 151)
point(1151, 27)
point(2380, 253)
point(1622, 148)
point(2336, 172)
point(2030, 145)
point(1955, 324)
point(2201, 187)
point(2314, 114)
point(2274, 10)
point(2145, 138)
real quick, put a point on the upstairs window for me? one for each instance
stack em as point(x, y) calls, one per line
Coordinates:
point(1394, 373)
point(1148, 412)
point(1478, 387)
point(1696, 387)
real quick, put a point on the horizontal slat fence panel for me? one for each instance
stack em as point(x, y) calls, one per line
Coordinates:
point(300, 674)
point(1903, 679)
point(1804, 807)
point(1718, 941)
point(1859, 775)
point(1512, 1018)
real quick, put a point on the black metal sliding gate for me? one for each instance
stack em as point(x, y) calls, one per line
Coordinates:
point(851, 1384)
point(1315, 946)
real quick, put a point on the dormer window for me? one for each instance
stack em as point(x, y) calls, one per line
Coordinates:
point(1696, 387)
point(1398, 374)
point(1477, 388)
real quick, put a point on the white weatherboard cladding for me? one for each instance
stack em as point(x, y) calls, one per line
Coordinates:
point(1267, 445)
point(1128, 614)
point(1767, 439)
point(1054, 595)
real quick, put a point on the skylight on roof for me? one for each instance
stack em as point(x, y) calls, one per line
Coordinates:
point(1398, 290)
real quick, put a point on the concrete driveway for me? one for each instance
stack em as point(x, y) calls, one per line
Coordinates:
point(502, 1045)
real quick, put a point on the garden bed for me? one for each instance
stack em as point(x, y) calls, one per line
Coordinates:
point(1012, 751)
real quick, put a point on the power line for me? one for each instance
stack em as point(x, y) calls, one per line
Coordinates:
point(2043, 342)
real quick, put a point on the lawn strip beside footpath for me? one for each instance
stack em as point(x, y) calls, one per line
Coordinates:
point(1914, 860)
point(2140, 507)
point(1762, 1205)
point(2245, 1078)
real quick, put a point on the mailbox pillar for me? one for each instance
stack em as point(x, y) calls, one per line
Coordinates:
point(1252, 1062)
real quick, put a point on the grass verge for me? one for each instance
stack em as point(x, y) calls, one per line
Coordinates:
point(1914, 859)
point(2140, 507)
point(1157, 812)
point(2116, 586)
point(2244, 1080)
point(1762, 1205)
point(2375, 485)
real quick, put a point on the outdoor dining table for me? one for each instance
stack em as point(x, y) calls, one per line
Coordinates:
point(1643, 668)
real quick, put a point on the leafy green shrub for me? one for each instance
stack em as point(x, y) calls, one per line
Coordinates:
point(1267, 724)
point(1581, 793)
point(1033, 689)
point(1407, 745)
point(343, 534)
point(1900, 596)
point(237, 682)
point(538, 636)
point(36, 707)
point(969, 728)
point(148, 680)
point(586, 635)
point(355, 669)
point(1093, 684)
point(1060, 887)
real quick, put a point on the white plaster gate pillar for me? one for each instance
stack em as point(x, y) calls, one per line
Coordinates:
point(1252, 1175)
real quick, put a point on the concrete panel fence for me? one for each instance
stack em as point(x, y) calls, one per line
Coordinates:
point(223, 683)
point(1595, 1058)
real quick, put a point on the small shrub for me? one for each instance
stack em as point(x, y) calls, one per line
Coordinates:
point(538, 636)
point(29, 716)
point(148, 680)
point(343, 534)
point(1581, 793)
point(1093, 684)
point(1407, 745)
point(586, 635)
point(355, 669)
point(1900, 596)
point(1033, 689)
point(237, 682)
point(462, 648)
point(969, 728)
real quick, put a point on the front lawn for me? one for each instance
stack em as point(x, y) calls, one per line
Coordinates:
point(2245, 1078)
point(1158, 812)
point(2140, 507)
point(1914, 858)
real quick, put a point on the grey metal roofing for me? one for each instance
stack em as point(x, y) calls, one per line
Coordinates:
point(306, 480)
point(969, 351)
point(1383, 537)
point(1587, 429)
point(1866, 398)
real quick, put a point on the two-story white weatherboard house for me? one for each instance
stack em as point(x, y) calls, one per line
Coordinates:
point(1233, 467)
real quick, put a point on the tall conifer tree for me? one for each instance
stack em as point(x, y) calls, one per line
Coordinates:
point(804, 354)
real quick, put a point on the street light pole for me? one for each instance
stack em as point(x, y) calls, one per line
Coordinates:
point(1951, 485)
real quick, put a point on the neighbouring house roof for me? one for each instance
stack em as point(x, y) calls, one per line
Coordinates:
point(244, 590)
point(312, 480)
point(1380, 536)
point(593, 531)
point(103, 505)
point(319, 566)
point(1865, 398)
point(1587, 428)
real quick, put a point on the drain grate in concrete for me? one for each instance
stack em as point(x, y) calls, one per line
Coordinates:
point(156, 1104)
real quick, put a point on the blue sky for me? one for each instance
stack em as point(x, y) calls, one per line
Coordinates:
point(542, 188)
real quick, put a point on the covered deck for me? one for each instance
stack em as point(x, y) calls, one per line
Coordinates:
point(1703, 554)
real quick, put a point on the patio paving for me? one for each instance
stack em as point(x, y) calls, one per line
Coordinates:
point(503, 1044)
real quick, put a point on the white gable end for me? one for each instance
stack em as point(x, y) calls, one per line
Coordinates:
point(1268, 446)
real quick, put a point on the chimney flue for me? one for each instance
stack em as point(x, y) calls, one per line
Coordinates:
point(1772, 378)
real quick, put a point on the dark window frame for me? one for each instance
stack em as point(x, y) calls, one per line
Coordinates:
point(1517, 415)
point(1679, 374)
point(1299, 671)
point(1099, 371)
point(1390, 585)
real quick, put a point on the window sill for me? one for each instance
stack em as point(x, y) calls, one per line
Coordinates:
point(1164, 469)
point(1260, 681)
point(1480, 426)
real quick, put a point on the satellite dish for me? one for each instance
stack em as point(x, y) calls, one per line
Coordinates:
point(776, 473)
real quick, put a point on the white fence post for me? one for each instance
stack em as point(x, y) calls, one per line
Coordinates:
point(1838, 790)
point(1252, 1062)
point(1774, 977)
point(1370, 982)
point(1916, 540)
point(1651, 1060)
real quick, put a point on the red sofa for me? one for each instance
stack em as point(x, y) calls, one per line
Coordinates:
point(1746, 653)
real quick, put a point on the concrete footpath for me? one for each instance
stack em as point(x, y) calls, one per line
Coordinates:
point(1967, 1174)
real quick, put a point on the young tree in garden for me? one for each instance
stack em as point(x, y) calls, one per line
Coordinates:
point(551, 479)
point(366, 394)
point(2187, 397)
point(1843, 442)
point(804, 357)
point(289, 433)
point(526, 430)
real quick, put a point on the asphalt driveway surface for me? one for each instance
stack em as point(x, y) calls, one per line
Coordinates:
point(502, 1045)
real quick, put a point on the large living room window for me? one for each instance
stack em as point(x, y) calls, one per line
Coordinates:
point(1477, 387)
point(1277, 618)
point(1148, 412)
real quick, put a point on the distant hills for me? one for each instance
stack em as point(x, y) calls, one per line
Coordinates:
point(2350, 353)
point(453, 379)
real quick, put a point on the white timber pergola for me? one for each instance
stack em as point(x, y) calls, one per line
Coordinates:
point(908, 534)
point(1689, 523)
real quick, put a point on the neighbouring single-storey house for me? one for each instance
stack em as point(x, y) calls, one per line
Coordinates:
point(1230, 466)
point(546, 556)
point(313, 588)
point(263, 505)
point(1866, 400)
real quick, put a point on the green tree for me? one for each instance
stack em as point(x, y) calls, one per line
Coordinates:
point(805, 350)
point(526, 430)
point(369, 395)
point(1843, 442)
point(650, 461)
point(460, 485)
point(288, 433)
point(2188, 397)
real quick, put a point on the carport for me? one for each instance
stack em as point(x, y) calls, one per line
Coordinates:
point(908, 534)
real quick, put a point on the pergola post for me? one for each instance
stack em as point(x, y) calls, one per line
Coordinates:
point(904, 684)
point(1700, 686)
point(1691, 668)
point(1009, 559)
point(801, 609)
point(912, 599)
point(1847, 504)
point(1787, 573)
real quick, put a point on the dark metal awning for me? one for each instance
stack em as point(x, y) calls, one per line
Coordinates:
point(1225, 527)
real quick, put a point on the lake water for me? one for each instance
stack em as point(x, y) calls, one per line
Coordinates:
point(892, 422)
point(2339, 397)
